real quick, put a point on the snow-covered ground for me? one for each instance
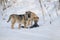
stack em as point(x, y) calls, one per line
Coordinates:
point(45, 31)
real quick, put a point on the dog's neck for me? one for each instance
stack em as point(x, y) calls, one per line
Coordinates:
point(29, 15)
point(26, 17)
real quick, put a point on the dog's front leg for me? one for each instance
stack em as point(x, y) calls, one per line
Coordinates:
point(25, 24)
point(31, 22)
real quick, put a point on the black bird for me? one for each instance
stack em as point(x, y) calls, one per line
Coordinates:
point(35, 25)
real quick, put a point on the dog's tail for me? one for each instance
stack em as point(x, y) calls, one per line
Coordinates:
point(9, 18)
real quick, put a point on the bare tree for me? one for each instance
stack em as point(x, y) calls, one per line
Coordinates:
point(59, 4)
point(6, 4)
point(42, 9)
point(56, 3)
point(3, 3)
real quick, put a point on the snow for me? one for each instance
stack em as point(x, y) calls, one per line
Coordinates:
point(45, 31)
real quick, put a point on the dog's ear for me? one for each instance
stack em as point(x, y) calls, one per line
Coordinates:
point(28, 12)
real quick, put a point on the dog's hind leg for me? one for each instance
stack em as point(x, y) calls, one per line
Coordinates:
point(12, 26)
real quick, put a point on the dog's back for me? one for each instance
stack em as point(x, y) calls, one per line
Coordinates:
point(15, 17)
point(21, 17)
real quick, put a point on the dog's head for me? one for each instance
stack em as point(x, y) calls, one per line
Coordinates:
point(36, 19)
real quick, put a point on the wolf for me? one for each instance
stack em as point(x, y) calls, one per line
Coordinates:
point(20, 19)
point(32, 17)
point(25, 19)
